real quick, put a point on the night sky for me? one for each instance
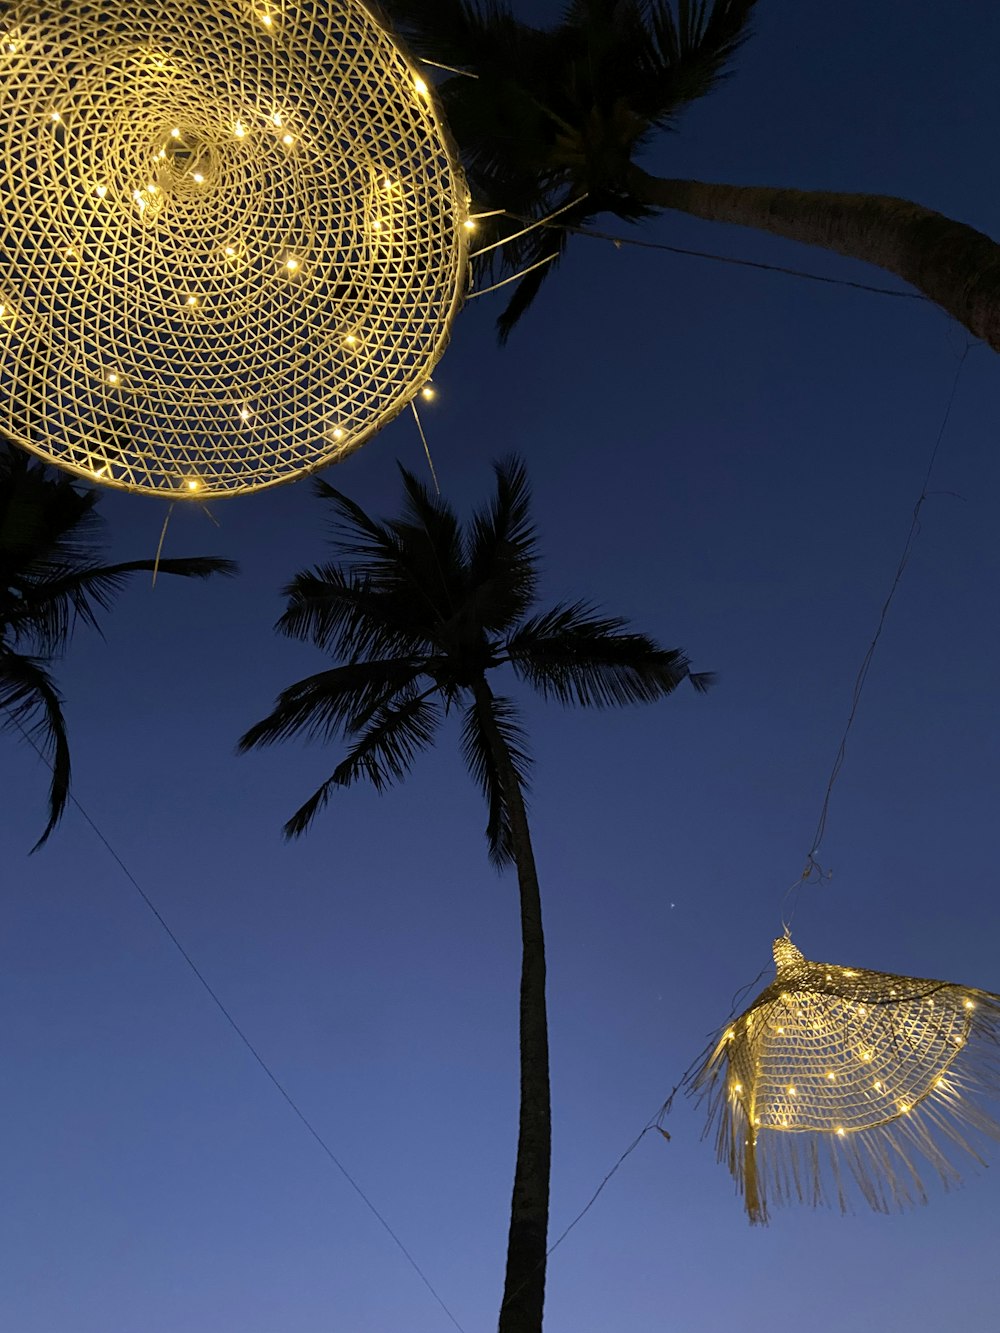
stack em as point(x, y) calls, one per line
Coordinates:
point(729, 458)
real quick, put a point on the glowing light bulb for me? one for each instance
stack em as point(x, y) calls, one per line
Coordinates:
point(193, 484)
point(101, 191)
point(969, 1004)
point(877, 1086)
point(388, 183)
point(230, 251)
point(730, 1035)
point(780, 1031)
point(350, 340)
point(112, 378)
point(267, 20)
point(192, 300)
point(291, 265)
point(175, 133)
point(831, 1075)
point(420, 87)
point(245, 413)
point(791, 1091)
point(198, 178)
point(904, 1107)
point(239, 130)
point(840, 1132)
point(56, 118)
point(737, 1087)
point(277, 121)
point(338, 432)
point(429, 392)
point(287, 140)
point(469, 225)
point(939, 1083)
point(377, 224)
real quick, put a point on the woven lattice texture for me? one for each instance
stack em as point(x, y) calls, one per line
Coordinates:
point(836, 1074)
point(232, 237)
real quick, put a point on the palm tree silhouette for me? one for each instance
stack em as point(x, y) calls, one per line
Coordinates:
point(418, 616)
point(560, 116)
point(51, 578)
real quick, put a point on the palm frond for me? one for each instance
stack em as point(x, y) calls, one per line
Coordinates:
point(30, 704)
point(340, 612)
point(323, 706)
point(383, 754)
point(46, 608)
point(695, 42)
point(478, 753)
point(502, 550)
point(576, 656)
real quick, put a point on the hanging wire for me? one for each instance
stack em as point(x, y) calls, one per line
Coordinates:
point(532, 225)
point(516, 277)
point(227, 1015)
point(813, 872)
point(619, 241)
point(159, 548)
point(423, 439)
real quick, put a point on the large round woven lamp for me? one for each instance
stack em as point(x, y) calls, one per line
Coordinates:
point(232, 238)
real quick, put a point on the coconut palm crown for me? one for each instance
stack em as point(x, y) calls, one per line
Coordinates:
point(558, 118)
point(51, 579)
point(416, 614)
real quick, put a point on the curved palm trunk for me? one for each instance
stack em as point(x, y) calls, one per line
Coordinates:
point(953, 264)
point(524, 1280)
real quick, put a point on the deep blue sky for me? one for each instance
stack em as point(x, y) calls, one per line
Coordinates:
point(728, 457)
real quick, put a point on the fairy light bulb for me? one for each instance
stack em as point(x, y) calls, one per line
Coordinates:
point(113, 377)
point(101, 191)
point(192, 483)
point(287, 140)
point(338, 432)
point(239, 130)
point(420, 87)
point(175, 133)
point(428, 392)
point(292, 264)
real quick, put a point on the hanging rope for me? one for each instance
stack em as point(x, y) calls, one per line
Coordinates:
point(813, 871)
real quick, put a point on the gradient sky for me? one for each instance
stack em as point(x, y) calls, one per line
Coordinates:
point(728, 457)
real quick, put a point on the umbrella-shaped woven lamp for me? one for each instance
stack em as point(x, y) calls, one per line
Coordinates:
point(835, 1073)
point(232, 237)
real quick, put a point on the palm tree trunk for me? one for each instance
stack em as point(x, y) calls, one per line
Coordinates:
point(954, 265)
point(524, 1281)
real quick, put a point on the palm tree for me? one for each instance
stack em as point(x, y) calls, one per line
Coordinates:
point(418, 617)
point(51, 578)
point(559, 117)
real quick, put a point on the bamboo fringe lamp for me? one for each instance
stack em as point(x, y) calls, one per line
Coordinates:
point(233, 233)
point(836, 1074)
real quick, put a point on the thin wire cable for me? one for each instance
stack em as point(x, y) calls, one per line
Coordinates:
point(813, 871)
point(285, 1094)
point(619, 241)
point(532, 225)
point(516, 277)
point(159, 548)
point(423, 440)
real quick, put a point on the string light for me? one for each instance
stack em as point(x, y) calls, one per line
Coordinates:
point(154, 226)
point(428, 392)
point(420, 86)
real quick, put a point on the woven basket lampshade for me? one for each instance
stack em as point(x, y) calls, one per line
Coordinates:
point(233, 237)
point(837, 1074)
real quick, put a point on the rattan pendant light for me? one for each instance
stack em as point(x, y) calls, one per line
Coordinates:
point(836, 1074)
point(232, 232)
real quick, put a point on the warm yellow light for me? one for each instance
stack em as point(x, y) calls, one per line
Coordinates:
point(193, 485)
point(877, 1086)
point(791, 1091)
point(737, 1087)
point(238, 129)
point(291, 265)
point(388, 183)
point(56, 118)
point(230, 251)
point(101, 191)
point(287, 140)
point(198, 178)
point(841, 1132)
point(267, 20)
point(245, 413)
point(904, 1107)
point(192, 300)
point(429, 392)
point(276, 120)
point(338, 433)
point(175, 133)
point(469, 225)
point(420, 86)
point(969, 1004)
point(350, 340)
point(831, 1075)
point(780, 1031)
point(112, 378)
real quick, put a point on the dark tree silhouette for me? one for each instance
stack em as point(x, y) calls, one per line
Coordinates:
point(561, 116)
point(417, 615)
point(51, 578)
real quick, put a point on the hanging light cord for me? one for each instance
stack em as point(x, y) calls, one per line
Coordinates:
point(813, 872)
point(214, 997)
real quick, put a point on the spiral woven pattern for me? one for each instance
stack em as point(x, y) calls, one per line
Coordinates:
point(232, 237)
